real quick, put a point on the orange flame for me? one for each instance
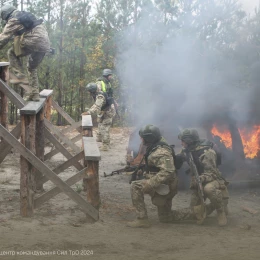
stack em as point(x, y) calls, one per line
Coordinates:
point(250, 139)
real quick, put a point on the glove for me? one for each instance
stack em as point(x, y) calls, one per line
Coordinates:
point(85, 113)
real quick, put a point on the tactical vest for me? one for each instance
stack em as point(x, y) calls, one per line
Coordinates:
point(27, 20)
point(109, 91)
point(205, 145)
point(152, 148)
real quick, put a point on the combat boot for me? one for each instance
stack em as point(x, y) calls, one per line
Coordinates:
point(222, 219)
point(20, 79)
point(33, 97)
point(104, 147)
point(200, 214)
point(139, 223)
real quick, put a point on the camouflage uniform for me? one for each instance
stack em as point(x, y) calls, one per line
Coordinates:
point(214, 186)
point(34, 44)
point(106, 122)
point(162, 159)
point(104, 117)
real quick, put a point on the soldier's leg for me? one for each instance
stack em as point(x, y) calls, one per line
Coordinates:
point(164, 207)
point(213, 192)
point(99, 136)
point(105, 132)
point(137, 195)
point(35, 59)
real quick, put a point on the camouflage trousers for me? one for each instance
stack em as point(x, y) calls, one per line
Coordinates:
point(104, 126)
point(214, 191)
point(33, 61)
point(163, 203)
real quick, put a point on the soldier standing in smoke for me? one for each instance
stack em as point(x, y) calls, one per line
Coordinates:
point(159, 173)
point(214, 186)
point(30, 39)
point(105, 111)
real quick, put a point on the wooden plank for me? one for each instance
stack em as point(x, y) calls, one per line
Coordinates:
point(87, 122)
point(55, 191)
point(72, 127)
point(32, 107)
point(56, 151)
point(62, 112)
point(4, 63)
point(12, 95)
point(5, 148)
point(38, 164)
point(65, 165)
point(45, 93)
point(91, 150)
point(61, 148)
point(62, 137)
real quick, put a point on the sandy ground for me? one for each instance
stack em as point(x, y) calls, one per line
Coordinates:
point(58, 229)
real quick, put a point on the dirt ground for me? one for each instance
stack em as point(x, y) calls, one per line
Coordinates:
point(58, 229)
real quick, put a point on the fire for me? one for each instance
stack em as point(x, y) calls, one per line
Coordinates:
point(250, 139)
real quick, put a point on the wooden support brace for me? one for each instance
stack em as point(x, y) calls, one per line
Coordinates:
point(37, 163)
point(47, 93)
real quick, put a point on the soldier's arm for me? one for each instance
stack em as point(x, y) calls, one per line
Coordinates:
point(164, 161)
point(96, 108)
point(209, 159)
point(10, 29)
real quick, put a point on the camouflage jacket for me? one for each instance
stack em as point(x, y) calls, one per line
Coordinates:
point(99, 103)
point(205, 160)
point(161, 158)
point(36, 40)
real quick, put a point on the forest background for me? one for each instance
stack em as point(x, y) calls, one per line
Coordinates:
point(89, 36)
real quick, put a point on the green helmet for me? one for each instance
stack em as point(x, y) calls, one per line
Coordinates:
point(107, 72)
point(6, 10)
point(150, 134)
point(189, 136)
point(92, 87)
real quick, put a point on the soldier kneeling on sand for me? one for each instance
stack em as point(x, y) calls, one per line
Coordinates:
point(160, 180)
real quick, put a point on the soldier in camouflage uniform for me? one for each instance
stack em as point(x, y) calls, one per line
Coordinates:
point(160, 180)
point(214, 186)
point(30, 40)
point(105, 111)
point(104, 85)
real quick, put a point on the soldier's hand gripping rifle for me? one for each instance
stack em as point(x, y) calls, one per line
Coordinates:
point(135, 175)
point(194, 171)
point(125, 169)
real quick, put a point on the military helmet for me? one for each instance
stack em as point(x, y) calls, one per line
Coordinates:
point(6, 10)
point(150, 134)
point(107, 72)
point(189, 136)
point(92, 87)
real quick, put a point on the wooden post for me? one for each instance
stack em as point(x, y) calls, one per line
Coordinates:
point(27, 182)
point(47, 93)
point(4, 75)
point(87, 131)
point(39, 147)
point(91, 161)
point(28, 139)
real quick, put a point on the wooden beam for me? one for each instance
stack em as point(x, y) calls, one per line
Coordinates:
point(46, 93)
point(62, 137)
point(91, 150)
point(5, 147)
point(55, 191)
point(56, 151)
point(65, 165)
point(73, 126)
point(32, 108)
point(62, 112)
point(61, 148)
point(38, 164)
point(87, 122)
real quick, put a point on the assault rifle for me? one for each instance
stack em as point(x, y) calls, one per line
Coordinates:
point(194, 171)
point(125, 169)
point(135, 176)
